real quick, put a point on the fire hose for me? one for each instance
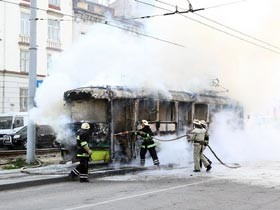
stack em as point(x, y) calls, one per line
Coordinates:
point(174, 139)
point(24, 169)
point(236, 165)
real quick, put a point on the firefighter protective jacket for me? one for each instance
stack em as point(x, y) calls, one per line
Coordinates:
point(82, 141)
point(147, 134)
point(198, 135)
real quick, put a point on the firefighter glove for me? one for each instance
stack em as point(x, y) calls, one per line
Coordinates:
point(90, 152)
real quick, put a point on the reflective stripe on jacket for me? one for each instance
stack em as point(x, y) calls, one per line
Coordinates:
point(147, 137)
point(82, 141)
point(86, 155)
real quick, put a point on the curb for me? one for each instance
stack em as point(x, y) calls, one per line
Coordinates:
point(112, 172)
point(32, 183)
point(64, 178)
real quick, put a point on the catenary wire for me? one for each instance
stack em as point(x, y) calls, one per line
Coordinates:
point(145, 35)
point(225, 4)
point(106, 22)
point(222, 31)
point(232, 35)
point(159, 39)
point(210, 7)
point(170, 13)
point(223, 25)
point(237, 31)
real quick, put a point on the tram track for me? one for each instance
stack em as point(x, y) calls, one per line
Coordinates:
point(14, 153)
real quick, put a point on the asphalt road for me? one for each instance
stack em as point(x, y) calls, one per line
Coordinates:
point(191, 192)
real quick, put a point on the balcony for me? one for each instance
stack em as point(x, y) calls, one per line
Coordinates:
point(54, 45)
point(24, 40)
point(25, 3)
point(55, 7)
point(81, 7)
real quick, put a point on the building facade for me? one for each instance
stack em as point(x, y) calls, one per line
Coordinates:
point(54, 33)
point(87, 13)
point(59, 24)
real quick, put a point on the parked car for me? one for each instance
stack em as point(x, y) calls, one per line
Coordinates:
point(45, 138)
point(11, 123)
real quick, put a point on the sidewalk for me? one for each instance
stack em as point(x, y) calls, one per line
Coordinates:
point(29, 177)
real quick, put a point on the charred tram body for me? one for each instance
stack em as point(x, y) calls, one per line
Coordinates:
point(111, 110)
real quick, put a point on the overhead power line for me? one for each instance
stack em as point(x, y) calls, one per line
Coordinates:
point(145, 35)
point(105, 22)
point(169, 13)
point(223, 25)
point(189, 10)
point(55, 19)
point(215, 6)
point(225, 4)
point(237, 31)
point(217, 29)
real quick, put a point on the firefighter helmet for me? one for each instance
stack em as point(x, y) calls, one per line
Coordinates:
point(85, 126)
point(197, 122)
point(203, 123)
point(145, 122)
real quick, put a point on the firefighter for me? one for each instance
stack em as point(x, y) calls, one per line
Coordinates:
point(148, 144)
point(206, 140)
point(83, 154)
point(197, 136)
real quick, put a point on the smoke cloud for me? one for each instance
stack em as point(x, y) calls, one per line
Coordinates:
point(110, 56)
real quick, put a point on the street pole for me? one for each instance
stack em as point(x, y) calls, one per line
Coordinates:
point(31, 129)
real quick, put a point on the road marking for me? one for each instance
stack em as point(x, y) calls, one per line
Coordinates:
point(138, 195)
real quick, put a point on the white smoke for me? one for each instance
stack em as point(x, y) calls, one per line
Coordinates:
point(111, 56)
point(177, 152)
point(256, 140)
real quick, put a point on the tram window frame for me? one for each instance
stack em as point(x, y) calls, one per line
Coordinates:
point(148, 109)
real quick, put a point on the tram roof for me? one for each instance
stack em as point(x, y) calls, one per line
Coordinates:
point(121, 92)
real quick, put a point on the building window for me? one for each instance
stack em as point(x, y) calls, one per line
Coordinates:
point(54, 2)
point(24, 24)
point(23, 99)
point(53, 30)
point(24, 60)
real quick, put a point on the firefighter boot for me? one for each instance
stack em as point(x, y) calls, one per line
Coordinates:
point(142, 162)
point(208, 168)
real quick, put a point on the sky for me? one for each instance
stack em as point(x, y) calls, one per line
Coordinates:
point(110, 56)
point(249, 72)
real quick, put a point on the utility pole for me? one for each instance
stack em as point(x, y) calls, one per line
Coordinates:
point(31, 129)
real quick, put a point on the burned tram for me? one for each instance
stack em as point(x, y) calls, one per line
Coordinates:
point(111, 110)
